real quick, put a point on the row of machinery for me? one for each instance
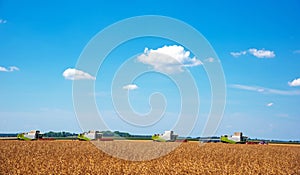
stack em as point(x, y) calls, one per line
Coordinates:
point(167, 136)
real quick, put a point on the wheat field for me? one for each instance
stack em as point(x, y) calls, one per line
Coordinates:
point(76, 157)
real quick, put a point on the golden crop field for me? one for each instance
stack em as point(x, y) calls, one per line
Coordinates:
point(76, 157)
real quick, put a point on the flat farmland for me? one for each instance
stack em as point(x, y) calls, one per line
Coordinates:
point(76, 157)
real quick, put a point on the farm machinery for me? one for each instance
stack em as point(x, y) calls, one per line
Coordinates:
point(32, 135)
point(92, 135)
point(168, 136)
point(236, 138)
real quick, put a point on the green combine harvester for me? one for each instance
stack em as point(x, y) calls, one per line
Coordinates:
point(168, 136)
point(32, 135)
point(91, 135)
point(236, 138)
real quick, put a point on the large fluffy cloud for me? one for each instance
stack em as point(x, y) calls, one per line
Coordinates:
point(74, 74)
point(168, 59)
point(258, 53)
point(10, 69)
point(130, 87)
point(295, 82)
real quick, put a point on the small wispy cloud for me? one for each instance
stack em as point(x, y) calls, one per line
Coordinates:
point(265, 90)
point(74, 74)
point(269, 104)
point(237, 54)
point(295, 82)
point(130, 87)
point(296, 51)
point(282, 115)
point(210, 60)
point(9, 69)
point(168, 59)
point(3, 21)
point(262, 53)
point(258, 53)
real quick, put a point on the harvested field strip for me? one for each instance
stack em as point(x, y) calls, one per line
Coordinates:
point(75, 157)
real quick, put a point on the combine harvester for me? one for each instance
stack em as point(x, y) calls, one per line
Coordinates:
point(236, 138)
point(32, 135)
point(93, 135)
point(168, 136)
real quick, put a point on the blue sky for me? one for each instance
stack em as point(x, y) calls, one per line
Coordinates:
point(257, 42)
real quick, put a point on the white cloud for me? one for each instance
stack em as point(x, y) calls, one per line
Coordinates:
point(99, 94)
point(296, 51)
point(283, 115)
point(74, 74)
point(237, 54)
point(262, 53)
point(210, 60)
point(295, 82)
point(3, 69)
point(13, 68)
point(265, 90)
point(169, 59)
point(249, 88)
point(10, 69)
point(130, 87)
point(269, 104)
point(3, 21)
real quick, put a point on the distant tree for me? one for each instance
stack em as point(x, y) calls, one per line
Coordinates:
point(59, 134)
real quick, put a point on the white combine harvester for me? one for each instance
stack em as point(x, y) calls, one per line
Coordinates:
point(91, 135)
point(32, 135)
point(237, 137)
point(168, 136)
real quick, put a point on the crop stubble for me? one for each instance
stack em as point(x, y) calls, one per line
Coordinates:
point(75, 157)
